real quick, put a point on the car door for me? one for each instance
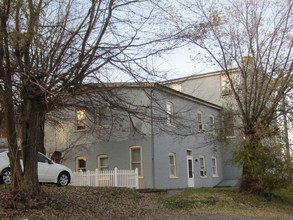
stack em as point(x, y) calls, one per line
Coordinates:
point(46, 170)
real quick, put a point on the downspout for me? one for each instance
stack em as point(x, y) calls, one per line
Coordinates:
point(152, 141)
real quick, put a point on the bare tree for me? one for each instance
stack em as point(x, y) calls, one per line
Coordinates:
point(256, 38)
point(50, 48)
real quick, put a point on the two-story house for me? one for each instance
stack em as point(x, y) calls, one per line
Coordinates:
point(168, 135)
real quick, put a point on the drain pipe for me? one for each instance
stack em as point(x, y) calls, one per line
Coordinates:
point(152, 140)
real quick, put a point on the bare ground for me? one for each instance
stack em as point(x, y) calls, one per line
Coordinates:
point(89, 203)
point(102, 203)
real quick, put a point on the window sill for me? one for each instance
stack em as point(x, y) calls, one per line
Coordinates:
point(171, 125)
point(204, 177)
point(173, 177)
point(101, 127)
point(215, 176)
point(80, 130)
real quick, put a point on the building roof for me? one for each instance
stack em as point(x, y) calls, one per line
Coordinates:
point(197, 76)
point(158, 86)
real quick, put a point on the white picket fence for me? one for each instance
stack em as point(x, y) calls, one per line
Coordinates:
point(117, 178)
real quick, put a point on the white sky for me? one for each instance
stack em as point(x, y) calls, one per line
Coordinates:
point(179, 63)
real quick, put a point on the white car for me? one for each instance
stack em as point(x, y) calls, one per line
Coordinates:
point(48, 171)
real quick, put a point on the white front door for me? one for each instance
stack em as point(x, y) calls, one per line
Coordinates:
point(190, 171)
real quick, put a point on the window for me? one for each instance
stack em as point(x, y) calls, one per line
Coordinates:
point(212, 124)
point(170, 113)
point(81, 164)
point(228, 129)
point(226, 87)
point(189, 152)
point(103, 162)
point(200, 121)
point(202, 168)
point(214, 167)
point(172, 165)
point(80, 119)
point(135, 159)
point(102, 114)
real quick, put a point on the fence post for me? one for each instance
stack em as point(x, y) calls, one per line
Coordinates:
point(115, 176)
point(136, 178)
point(88, 178)
point(96, 177)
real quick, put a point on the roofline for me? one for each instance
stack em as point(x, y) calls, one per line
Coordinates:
point(197, 76)
point(161, 88)
point(187, 97)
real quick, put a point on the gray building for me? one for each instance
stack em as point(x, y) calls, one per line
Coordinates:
point(215, 87)
point(170, 136)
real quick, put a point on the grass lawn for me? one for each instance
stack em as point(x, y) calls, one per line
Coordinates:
point(229, 201)
point(121, 203)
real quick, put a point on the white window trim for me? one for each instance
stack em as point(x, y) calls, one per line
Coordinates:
point(215, 174)
point(77, 168)
point(212, 124)
point(225, 86)
point(189, 152)
point(102, 156)
point(204, 169)
point(170, 113)
point(77, 120)
point(98, 116)
point(174, 164)
point(130, 159)
point(200, 124)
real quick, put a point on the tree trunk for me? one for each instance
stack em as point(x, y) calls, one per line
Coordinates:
point(32, 132)
point(7, 98)
point(247, 172)
point(10, 126)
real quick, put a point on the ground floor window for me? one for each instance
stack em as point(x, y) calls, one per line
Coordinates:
point(215, 167)
point(81, 163)
point(202, 169)
point(172, 165)
point(136, 159)
point(103, 162)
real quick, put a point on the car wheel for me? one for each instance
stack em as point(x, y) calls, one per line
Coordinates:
point(6, 176)
point(63, 179)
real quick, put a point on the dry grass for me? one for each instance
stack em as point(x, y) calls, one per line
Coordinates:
point(88, 203)
point(120, 203)
point(229, 201)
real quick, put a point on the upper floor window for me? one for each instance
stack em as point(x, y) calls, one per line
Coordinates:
point(212, 124)
point(103, 162)
point(228, 125)
point(81, 163)
point(136, 159)
point(226, 86)
point(80, 119)
point(172, 165)
point(200, 121)
point(170, 113)
point(202, 168)
point(214, 167)
point(102, 114)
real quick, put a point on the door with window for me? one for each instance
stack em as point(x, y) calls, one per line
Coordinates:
point(190, 169)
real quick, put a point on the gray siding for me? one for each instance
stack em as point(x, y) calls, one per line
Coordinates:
point(155, 136)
